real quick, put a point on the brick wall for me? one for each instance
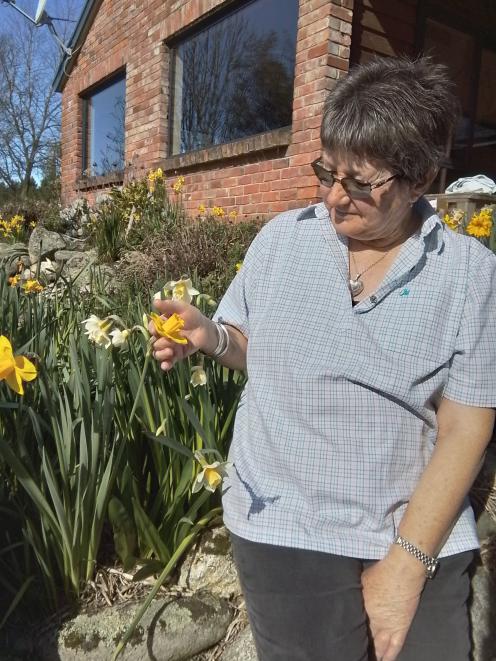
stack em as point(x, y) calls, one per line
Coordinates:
point(261, 175)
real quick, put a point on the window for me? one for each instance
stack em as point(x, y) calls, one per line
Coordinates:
point(104, 111)
point(234, 77)
point(473, 69)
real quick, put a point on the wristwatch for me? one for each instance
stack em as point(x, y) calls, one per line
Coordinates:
point(431, 564)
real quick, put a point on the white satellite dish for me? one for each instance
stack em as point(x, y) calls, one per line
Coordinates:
point(39, 11)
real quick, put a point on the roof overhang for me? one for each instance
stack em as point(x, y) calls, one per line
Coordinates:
point(79, 35)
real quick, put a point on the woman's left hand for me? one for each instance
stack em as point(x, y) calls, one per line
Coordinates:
point(391, 593)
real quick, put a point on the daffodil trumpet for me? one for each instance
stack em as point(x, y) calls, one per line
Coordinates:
point(169, 328)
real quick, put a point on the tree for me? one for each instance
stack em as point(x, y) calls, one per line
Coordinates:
point(29, 111)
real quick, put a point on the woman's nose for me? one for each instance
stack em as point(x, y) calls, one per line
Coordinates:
point(335, 195)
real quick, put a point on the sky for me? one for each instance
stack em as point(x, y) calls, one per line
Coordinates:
point(66, 9)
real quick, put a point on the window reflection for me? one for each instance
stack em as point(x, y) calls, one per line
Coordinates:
point(105, 111)
point(235, 77)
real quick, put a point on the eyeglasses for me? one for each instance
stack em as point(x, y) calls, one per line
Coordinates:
point(353, 187)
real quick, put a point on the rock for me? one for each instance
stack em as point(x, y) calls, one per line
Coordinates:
point(73, 243)
point(210, 566)
point(74, 258)
point(43, 243)
point(242, 648)
point(170, 631)
point(483, 604)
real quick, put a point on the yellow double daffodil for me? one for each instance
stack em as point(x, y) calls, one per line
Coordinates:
point(14, 369)
point(170, 327)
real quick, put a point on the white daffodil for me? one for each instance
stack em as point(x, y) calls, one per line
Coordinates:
point(211, 475)
point(97, 330)
point(182, 290)
point(198, 376)
point(120, 337)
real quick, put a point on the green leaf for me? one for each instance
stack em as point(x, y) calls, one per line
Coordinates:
point(171, 443)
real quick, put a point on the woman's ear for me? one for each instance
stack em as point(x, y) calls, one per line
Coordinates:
point(423, 186)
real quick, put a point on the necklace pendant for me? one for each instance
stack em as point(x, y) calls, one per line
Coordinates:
point(356, 286)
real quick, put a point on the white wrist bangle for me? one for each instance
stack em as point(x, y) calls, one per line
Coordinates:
point(222, 341)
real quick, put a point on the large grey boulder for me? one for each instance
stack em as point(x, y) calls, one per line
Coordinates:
point(210, 565)
point(171, 630)
point(44, 243)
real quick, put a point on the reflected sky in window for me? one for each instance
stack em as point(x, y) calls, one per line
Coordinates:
point(105, 125)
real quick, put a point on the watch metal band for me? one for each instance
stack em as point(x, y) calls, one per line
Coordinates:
point(431, 564)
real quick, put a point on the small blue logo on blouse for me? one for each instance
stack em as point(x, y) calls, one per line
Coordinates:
point(405, 291)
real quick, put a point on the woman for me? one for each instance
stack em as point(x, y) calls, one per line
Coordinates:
point(367, 329)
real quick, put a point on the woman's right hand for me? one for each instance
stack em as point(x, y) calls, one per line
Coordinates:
point(198, 330)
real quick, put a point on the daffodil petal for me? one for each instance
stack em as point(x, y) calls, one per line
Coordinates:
point(5, 347)
point(25, 368)
point(14, 382)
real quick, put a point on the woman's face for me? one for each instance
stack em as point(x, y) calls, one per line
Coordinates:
point(380, 216)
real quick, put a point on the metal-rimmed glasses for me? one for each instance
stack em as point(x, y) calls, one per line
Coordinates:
point(353, 187)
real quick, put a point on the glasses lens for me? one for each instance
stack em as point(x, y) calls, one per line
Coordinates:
point(356, 188)
point(323, 175)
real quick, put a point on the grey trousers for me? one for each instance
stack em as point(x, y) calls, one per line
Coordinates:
point(308, 606)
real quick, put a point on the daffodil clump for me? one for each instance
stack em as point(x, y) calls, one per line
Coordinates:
point(111, 331)
point(13, 228)
point(32, 286)
point(154, 177)
point(218, 212)
point(454, 219)
point(177, 186)
point(14, 370)
point(481, 224)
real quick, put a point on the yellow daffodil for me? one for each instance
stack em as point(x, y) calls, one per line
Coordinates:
point(198, 376)
point(218, 212)
point(233, 215)
point(32, 287)
point(177, 186)
point(182, 290)
point(238, 265)
point(14, 369)
point(97, 330)
point(120, 337)
point(170, 327)
point(481, 224)
point(14, 280)
point(201, 209)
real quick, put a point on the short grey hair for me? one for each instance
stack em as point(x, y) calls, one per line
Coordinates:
point(399, 111)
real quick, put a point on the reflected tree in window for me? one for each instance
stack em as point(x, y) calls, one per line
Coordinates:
point(235, 78)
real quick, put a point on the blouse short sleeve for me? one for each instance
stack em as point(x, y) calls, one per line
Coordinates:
point(472, 373)
point(234, 308)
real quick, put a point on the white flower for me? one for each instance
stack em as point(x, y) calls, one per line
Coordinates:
point(97, 330)
point(120, 337)
point(198, 376)
point(211, 476)
point(182, 290)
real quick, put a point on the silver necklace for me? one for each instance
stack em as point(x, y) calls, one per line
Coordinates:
point(356, 284)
